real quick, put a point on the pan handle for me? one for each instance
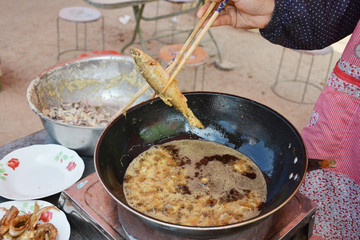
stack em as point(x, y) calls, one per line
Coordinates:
point(315, 164)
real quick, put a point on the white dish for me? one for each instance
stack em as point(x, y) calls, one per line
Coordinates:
point(39, 171)
point(57, 218)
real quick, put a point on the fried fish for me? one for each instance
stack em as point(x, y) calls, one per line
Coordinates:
point(157, 77)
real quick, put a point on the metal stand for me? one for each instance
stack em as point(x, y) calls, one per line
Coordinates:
point(296, 81)
point(78, 15)
point(0, 74)
point(138, 13)
point(177, 6)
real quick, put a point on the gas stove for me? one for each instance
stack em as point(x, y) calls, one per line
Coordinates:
point(94, 214)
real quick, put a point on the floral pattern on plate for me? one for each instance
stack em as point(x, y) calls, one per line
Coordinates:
point(39, 171)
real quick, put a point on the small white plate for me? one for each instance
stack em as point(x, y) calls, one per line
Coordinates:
point(57, 218)
point(39, 171)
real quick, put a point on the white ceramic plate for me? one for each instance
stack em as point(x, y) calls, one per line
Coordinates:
point(39, 171)
point(57, 218)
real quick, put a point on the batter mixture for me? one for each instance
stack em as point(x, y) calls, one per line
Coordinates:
point(195, 183)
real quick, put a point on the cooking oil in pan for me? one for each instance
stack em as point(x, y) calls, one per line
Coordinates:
point(195, 183)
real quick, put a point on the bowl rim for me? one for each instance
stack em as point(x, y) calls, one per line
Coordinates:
point(35, 81)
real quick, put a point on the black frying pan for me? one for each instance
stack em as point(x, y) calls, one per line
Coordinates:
point(250, 127)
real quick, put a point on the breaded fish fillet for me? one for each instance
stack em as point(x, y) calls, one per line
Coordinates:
point(157, 77)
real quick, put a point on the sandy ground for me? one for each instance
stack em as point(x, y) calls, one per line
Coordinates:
point(28, 45)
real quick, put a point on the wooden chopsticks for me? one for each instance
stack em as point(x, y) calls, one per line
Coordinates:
point(131, 101)
point(196, 41)
point(170, 67)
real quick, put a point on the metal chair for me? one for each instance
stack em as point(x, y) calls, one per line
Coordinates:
point(178, 6)
point(78, 15)
point(138, 13)
point(301, 86)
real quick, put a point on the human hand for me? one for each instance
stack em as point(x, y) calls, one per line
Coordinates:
point(244, 14)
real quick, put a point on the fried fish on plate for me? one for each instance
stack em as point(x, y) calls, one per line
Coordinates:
point(157, 77)
point(26, 227)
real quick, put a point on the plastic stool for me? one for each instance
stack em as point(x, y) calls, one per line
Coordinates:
point(197, 59)
point(281, 86)
point(100, 53)
point(78, 15)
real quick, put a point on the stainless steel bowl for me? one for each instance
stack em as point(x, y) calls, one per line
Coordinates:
point(109, 81)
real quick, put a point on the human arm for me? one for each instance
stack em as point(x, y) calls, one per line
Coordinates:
point(243, 14)
point(311, 24)
point(298, 24)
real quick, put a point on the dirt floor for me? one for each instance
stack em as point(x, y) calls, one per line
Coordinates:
point(28, 45)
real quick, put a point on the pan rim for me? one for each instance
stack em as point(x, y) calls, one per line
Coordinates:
point(168, 225)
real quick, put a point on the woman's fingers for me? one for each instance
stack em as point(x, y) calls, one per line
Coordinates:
point(243, 14)
point(227, 16)
point(223, 19)
point(203, 9)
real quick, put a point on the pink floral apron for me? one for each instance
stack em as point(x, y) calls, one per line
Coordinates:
point(333, 132)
